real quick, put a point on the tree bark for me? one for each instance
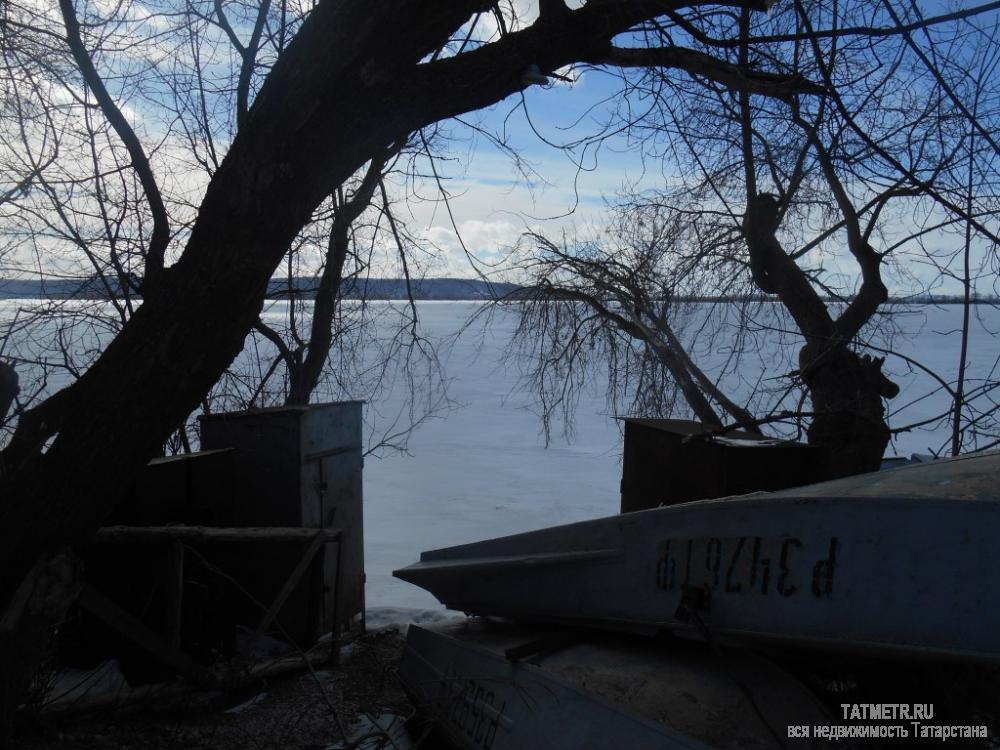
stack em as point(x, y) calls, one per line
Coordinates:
point(305, 375)
point(9, 388)
point(846, 390)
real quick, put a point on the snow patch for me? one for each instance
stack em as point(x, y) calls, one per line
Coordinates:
point(400, 618)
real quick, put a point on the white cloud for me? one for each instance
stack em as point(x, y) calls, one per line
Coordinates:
point(488, 243)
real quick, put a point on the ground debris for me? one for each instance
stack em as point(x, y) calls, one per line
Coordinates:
point(310, 709)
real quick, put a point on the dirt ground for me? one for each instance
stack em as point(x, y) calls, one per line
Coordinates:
point(323, 708)
point(359, 704)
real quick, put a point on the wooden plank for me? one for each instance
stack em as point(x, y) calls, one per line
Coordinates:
point(107, 611)
point(138, 534)
point(291, 582)
point(161, 693)
point(174, 594)
point(337, 590)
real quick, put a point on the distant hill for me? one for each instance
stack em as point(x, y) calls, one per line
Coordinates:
point(445, 289)
point(373, 289)
point(422, 289)
point(53, 289)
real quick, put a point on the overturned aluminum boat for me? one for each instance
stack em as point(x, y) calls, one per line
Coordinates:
point(498, 685)
point(900, 561)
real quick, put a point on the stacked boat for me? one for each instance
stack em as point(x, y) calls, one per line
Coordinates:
point(895, 563)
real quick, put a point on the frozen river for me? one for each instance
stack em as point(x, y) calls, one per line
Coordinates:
point(485, 471)
point(482, 468)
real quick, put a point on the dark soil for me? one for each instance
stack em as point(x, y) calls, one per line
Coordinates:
point(310, 709)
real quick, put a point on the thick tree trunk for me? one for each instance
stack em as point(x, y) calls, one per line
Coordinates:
point(8, 388)
point(849, 423)
point(846, 389)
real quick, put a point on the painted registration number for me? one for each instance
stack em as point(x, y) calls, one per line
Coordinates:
point(764, 566)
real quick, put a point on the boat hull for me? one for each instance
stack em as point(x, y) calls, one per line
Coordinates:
point(892, 564)
point(597, 692)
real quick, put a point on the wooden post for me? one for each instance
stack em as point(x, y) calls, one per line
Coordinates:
point(174, 598)
point(335, 631)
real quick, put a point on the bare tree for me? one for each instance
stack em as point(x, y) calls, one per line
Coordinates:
point(111, 218)
point(628, 299)
point(331, 339)
point(843, 152)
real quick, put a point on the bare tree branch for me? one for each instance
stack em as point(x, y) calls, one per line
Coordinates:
point(160, 235)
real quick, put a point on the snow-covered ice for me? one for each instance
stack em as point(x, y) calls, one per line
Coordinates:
point(484, 470)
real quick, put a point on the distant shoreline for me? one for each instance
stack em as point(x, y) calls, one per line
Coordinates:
point(436, 289)
point(442, 289)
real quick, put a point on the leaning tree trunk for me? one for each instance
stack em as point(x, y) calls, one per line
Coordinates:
point(8, 389)
point(348, 85)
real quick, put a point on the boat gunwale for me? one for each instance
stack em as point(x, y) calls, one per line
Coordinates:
point(744, 502)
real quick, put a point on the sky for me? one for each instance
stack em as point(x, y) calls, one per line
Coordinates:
point(491, 204)
point(494, 201)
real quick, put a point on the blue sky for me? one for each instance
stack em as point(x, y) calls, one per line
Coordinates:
point(564, 190)
point(493, 205)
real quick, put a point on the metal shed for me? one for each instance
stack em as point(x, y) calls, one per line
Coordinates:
point(189, 488)
point(300, 466)
point(261, 531)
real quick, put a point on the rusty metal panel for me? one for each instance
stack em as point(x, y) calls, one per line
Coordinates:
point(332, 480)
point(191, 488)
point(668, 461)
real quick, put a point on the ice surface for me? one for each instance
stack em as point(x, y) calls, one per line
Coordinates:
point(484, 470)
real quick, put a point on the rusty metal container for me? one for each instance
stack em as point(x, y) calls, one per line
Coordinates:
point(300, 466)
point(669, 461)
point(195, 489)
